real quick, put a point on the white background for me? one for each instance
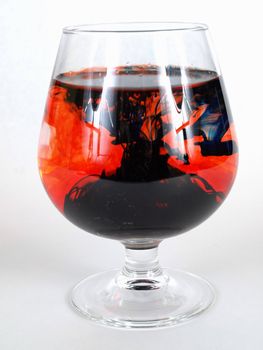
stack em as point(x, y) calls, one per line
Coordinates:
point(42, 255)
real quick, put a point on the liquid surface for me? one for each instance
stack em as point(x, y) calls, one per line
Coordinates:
point(138, 152)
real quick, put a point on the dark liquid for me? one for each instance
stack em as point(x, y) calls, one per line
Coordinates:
point(139, 153)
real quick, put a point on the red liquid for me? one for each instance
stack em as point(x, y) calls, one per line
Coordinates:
point(126, 156)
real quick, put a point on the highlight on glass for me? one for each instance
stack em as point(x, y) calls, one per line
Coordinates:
point(138, 144)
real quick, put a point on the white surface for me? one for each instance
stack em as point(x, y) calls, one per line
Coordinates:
point(42, 255)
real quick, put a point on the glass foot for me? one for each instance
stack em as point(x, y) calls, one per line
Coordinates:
point(107, 298)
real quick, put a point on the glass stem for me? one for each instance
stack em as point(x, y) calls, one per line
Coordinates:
point(141, 270)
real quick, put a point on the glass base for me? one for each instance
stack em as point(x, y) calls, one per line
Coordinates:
point(108, 299)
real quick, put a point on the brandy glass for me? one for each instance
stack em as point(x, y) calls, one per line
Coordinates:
point(138, 144)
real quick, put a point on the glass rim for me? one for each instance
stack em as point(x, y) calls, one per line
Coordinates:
point(134, 27)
